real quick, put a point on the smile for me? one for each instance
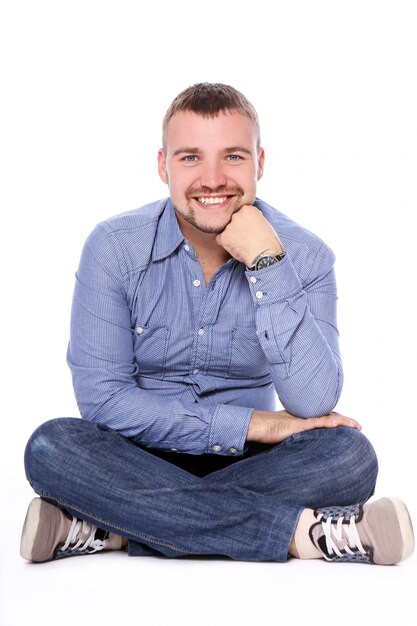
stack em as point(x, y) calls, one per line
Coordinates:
point(212, 200)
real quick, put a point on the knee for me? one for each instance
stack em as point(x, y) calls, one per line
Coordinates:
point(42, 448)
point(356, 464)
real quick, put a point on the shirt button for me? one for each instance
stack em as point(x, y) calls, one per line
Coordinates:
point(196, 371)
point(201, 332)
point(186, 248)
point(232, 450)
point(259, 294)
point(139, 330)
point(196, 282)
point(252, 279)
point(216, 448)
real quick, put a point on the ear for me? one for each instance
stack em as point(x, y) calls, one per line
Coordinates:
point(261, 162)
point(162, 166)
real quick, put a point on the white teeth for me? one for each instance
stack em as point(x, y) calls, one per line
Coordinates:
point(212, 200)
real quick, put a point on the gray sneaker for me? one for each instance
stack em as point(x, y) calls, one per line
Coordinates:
point(378, 532)
point(50, 533)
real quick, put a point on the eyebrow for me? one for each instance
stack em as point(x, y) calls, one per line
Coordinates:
point(238, 149)
point(186, 149)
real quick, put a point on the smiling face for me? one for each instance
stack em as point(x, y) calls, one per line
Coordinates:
point(211, 166)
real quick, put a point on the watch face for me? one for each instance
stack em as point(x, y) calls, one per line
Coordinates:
point(266, 261)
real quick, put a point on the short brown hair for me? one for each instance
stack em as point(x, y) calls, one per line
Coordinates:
point(208, 100)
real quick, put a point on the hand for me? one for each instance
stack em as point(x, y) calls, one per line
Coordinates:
point(275, 426)
point(248, 234)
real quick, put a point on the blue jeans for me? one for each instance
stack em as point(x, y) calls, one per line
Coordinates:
point(174, 504)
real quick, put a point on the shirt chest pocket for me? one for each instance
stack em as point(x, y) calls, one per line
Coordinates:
point(246, 357)
point(151, 346)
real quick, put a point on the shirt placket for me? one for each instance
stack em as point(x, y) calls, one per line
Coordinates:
point(206, 305)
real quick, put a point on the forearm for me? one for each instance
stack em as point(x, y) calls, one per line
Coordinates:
point(297, 331)
point(111, 396)
point(306, 371)
point(260, 425)
point(295, 310)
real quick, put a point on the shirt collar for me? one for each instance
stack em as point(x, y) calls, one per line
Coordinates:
point(168, 234)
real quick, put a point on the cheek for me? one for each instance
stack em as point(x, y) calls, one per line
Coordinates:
point(248, 176)
point(249, 185)
point(179, 181)
point(177, 190)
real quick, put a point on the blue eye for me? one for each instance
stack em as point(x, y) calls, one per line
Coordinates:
point(233, 157)
point(190, 158)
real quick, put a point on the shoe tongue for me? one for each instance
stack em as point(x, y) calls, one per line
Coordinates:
point(320, 539)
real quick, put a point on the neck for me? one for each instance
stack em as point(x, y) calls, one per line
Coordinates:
point(209, 253)
point(205, 244)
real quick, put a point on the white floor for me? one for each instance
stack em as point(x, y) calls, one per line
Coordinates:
point(113, 589)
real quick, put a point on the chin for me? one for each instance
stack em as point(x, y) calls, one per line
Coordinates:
point(214, 227)
point(209, 229)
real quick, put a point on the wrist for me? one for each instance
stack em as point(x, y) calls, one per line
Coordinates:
point(259, 425)
point(265, 259)
point(255, 427)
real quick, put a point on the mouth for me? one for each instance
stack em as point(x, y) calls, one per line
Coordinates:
point(212, 201)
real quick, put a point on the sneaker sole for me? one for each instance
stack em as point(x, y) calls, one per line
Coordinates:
point(406, 527)
point(30, 529)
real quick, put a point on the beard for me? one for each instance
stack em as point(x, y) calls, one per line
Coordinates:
point(212, 229)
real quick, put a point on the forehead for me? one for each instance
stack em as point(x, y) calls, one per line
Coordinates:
point(229, 128)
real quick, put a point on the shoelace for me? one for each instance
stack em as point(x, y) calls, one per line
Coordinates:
point(86, 540)
point(333, 533)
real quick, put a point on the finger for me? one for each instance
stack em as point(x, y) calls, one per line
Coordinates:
point(332, 421)
point(342, 420)
point(320, 422)
point(335, 413)
point(345, 421)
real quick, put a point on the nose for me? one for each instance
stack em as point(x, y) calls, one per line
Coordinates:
point(212, 175)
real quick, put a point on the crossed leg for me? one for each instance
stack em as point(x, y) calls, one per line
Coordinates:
point(246, 511)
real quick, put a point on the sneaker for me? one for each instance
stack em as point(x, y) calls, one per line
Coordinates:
point(51, 533)
point(379, 532)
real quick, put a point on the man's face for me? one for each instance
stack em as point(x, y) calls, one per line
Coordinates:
point(211, 166)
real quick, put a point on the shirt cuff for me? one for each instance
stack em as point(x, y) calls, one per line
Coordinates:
point(229, 429)
point(274, 283)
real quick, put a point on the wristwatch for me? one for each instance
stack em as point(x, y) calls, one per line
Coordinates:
point(261, 262)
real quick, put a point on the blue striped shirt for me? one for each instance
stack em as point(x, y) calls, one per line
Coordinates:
point(157, 355)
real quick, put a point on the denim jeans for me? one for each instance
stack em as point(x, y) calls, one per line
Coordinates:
point(174, 504)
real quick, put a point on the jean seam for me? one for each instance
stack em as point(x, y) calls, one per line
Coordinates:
point(137, 536)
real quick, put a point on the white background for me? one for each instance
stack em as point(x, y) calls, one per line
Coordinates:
point(85, 85)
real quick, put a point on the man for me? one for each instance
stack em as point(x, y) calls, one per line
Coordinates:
point(189, 316)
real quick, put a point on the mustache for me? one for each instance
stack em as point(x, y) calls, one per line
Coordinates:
point(202, 191)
